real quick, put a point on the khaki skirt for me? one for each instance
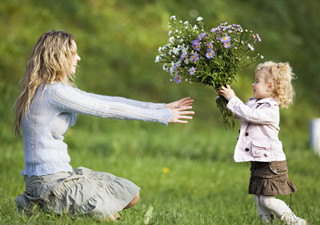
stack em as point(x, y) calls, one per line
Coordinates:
point(270, 178)
point(82, 191)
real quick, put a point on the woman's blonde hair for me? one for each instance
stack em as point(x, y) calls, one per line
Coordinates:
point(50, 61)
point(281, 75)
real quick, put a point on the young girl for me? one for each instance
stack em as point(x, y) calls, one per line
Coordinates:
point(46, 107)
point(258, 139)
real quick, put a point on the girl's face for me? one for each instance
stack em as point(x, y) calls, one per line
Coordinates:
point(75, 59)
point(261, 89)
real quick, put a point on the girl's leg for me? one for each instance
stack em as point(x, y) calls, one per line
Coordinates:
point(281, 209)
point(265, 214)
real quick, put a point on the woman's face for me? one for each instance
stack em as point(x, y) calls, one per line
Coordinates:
point(75, 59)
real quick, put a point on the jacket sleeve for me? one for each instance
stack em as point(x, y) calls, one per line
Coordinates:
point(68, 99)
point(264, 114)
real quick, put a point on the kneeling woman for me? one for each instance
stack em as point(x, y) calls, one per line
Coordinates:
point(46, 107)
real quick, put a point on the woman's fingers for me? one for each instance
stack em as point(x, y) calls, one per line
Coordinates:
point(180, 115)
point(185, 102)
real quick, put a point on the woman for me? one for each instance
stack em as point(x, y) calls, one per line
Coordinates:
point(46, 107)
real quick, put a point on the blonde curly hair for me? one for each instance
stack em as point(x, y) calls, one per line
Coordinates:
point(50, 61)
point(281, 75)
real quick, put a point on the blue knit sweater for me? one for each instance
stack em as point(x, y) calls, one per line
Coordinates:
point(55, 109)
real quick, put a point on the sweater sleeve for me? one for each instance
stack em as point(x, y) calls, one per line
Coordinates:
point(68, 99)
point(147, 105)
point(265, 114)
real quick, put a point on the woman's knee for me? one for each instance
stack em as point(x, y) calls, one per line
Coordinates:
point(133, 201)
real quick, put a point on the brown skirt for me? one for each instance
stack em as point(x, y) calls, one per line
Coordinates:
point(270, 178)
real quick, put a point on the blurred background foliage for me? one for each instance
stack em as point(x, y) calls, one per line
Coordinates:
point(118, 41)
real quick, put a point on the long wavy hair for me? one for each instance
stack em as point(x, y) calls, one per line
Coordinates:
point(281, 75)
point(50, 61)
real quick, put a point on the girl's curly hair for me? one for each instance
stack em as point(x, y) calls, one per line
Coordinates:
point(281, 75)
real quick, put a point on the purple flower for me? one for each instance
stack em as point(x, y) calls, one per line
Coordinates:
point(200, 36)
point(192, 70)
point(196, 45)
point(227, 44)
point(258, 37)
point(226, 27)
point(177, 79)
point(215, 30)
point(209, 45)
point(251, 47)
point(176, 67)
point(210, 54)
point(225, 39)
point(183, 56)
point(194, 57)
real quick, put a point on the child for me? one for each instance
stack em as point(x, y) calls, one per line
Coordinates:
point(258, 139)
point(46, 107)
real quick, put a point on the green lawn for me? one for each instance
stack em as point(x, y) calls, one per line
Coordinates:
point(186, 173)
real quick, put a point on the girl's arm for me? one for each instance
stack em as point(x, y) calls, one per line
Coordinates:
point(265, 114)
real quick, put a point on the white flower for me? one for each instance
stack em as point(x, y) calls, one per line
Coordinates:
point(186, 23)
point(173, 18)
point(262, 56)
point(157, 59)
point(199, 19)
point(165, 68)
point(172, 70)
point(169, 33)
point(159, 49)
point(195, 27)
point(171, 39)
point(175, 51)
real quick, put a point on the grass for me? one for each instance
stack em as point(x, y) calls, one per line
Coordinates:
point(201, 184)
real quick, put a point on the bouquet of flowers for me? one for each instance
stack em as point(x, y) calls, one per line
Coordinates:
point(211, 57)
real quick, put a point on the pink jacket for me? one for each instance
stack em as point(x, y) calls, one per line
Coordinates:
point(258, 136)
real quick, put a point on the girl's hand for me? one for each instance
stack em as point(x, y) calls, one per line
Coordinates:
point(226, 92)
point(180, 114)
point(180, 103)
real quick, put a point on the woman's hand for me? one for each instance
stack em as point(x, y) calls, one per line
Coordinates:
point(180, 103)
point(179, 110)
point(226, 92)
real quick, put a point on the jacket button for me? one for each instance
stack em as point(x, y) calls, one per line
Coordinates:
point(247, 134)
point(247, 149)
